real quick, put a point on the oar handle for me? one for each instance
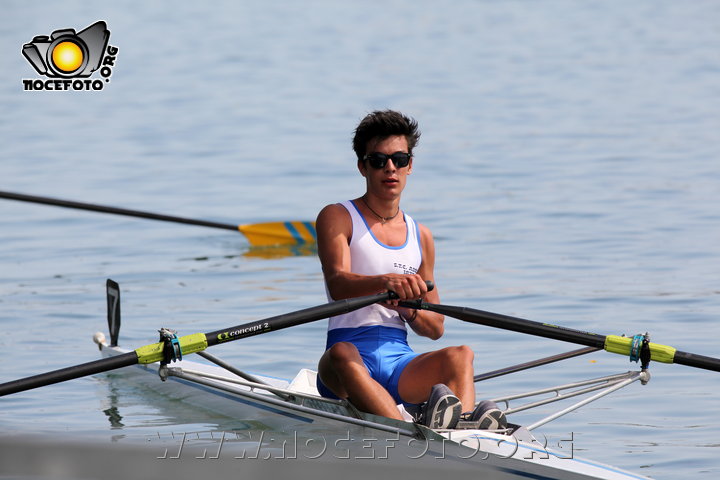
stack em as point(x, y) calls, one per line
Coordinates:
point(300, 317)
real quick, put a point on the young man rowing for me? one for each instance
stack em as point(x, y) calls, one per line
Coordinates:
point(368, 245)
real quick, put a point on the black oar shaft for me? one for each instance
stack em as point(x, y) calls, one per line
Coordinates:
point(154, 352)
point(337, 307)
point(300, 317)
point(69, 373)
point(698, 361)
point(115, 210)
point(519, 325)
point(661, 353)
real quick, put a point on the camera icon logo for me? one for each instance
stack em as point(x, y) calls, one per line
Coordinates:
point(68, 54)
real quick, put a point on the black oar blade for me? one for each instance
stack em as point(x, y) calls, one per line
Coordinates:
point(69, 373)
point(113, 311)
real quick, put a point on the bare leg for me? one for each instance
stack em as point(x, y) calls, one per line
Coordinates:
point(342, 370)
point(452, 366)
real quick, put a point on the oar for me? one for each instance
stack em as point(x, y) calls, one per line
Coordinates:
point(610, 343)
point(258, 234)
point(194, 343)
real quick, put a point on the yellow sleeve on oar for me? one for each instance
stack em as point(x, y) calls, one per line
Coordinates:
point(274, 233)
point(197, 342)
point(623, 346)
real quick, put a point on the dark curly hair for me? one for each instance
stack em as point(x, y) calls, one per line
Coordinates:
point(382, 124)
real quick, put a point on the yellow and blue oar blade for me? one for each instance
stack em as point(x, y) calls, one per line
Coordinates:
point(609, 343)
point(279, 233)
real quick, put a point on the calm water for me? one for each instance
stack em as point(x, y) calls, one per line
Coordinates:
point(568, 168)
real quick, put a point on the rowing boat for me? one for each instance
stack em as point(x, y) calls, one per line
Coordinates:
point(277, 405)
point(295, 405)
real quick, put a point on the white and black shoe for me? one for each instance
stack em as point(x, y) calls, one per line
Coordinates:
point(442, 410)
point(488, 416)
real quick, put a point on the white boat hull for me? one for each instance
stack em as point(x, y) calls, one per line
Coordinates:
point(356, 435)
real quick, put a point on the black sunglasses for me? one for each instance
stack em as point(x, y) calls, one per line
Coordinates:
point(379, 160)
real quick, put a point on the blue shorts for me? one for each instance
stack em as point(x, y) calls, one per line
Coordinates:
point(384, 351)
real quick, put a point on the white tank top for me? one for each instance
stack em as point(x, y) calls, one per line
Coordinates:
point(370, 257)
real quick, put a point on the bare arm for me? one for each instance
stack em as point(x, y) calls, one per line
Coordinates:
point(334, 228)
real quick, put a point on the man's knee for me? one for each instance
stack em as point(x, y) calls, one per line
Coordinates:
point(342, 353)
point(460, 355)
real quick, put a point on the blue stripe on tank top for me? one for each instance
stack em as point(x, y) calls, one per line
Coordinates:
point(407, 232)
point(417, 236)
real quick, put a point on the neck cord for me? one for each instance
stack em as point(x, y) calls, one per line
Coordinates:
point(382, 219)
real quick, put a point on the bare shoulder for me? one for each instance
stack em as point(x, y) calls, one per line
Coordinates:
point(334, 219)
point(333, 213)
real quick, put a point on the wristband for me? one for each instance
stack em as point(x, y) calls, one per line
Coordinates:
point(411, 320)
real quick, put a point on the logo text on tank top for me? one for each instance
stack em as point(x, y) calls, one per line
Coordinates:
point(406, 269)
